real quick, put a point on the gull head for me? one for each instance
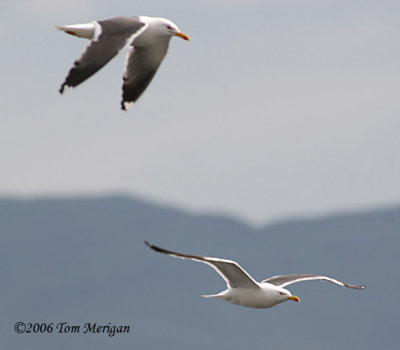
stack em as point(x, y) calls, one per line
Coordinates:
point(165, 27)
point(283, 294)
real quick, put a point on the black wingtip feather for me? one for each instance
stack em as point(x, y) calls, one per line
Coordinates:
point(61, 90)
point(354, 286)
point(164, 251)
point(151, 246)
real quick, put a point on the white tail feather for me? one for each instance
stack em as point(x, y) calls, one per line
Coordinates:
point(86, 30)
point(211, 296)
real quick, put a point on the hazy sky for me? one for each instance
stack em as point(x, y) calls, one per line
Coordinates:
point(274, 108)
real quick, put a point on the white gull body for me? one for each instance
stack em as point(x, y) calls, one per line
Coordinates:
point(243, 290)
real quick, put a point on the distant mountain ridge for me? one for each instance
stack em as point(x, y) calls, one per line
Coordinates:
point(83, 260)
point(142, 204)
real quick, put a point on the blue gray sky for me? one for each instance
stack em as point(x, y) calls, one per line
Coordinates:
point(273, 109)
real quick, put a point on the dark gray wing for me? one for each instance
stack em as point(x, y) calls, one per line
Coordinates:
point(233, 274)
point(115, 34)
point(285, 280)
point(141, 66)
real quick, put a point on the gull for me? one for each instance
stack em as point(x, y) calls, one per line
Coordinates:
point(147, 37)
point(243, 290)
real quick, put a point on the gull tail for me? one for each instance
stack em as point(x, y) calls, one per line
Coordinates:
point(86, 30)
point(212, 295)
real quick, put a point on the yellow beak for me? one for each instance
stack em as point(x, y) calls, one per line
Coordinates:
point(182, 35)
point(295, 298)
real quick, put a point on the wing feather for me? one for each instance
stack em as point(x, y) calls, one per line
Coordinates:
point(113, 36)
point(141, 65)
point(233, 274)
point(285, 280)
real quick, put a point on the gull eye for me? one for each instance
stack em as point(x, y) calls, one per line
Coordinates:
point(281, 293)
point(169, 27)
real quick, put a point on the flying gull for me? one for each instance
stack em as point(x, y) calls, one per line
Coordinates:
point(243, 290)
point(147, 37)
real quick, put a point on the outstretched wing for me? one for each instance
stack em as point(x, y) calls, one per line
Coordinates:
point(141, 66)
point(233, 274)
point(108, 38)
point(285, 280)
